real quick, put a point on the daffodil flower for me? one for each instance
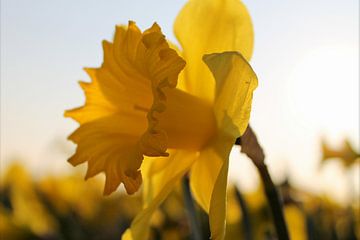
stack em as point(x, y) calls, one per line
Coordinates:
point(138, 125)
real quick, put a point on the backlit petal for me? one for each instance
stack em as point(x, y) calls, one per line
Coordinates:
point(203, 175)
point(165, 180)
point(150, 168)
point(217, 212)
point(96, 104)
point(208, 181)
point(208, 26)
point(235, 83)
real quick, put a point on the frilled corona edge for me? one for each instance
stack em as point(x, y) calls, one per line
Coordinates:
point(119, 121)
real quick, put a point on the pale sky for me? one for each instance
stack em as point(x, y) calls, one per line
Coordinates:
point(306, 57)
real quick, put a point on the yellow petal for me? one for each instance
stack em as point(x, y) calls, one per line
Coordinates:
point(150, 168)
point(208, 26)
point(178, 164)
point(208, 181)
point(111, 145)
point(203, 175)
point(217, 212)
point(96, 104)
point(119, 121)
point(206, 169)
point(235, 83)
point(181, 78)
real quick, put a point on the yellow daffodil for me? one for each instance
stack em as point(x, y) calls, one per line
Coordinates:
point(70, 189)
point(135, 110)
point(346, 154)
point(27, 208)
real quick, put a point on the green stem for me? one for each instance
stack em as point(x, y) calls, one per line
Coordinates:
point(274, 202)
point(195, 226)
point(251, 147)
point(245, 215)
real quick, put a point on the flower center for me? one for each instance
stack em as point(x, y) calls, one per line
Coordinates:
point(188, 121)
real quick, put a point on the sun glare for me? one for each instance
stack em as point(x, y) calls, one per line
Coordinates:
point(324, 90)
point(323, 95)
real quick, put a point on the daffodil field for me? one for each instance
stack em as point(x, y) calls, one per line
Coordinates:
point(67, 207)
point(165, 121)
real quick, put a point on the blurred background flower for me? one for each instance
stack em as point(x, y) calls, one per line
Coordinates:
point(67, 207)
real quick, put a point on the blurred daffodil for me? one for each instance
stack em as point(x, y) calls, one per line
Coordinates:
point(346, 154)
point(296, 222)
point(134, 108)
point(27, 209)
point(70, 189)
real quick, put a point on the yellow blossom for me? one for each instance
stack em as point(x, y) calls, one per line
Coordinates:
point(137, 124)
point(70, 189)
point(346, 154)
point(28, 210)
